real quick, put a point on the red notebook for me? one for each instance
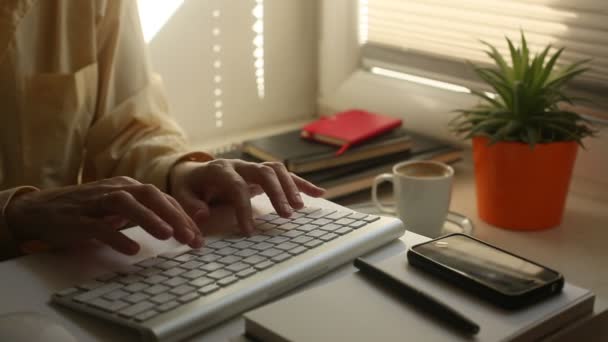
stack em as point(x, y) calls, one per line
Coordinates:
point(349, 128)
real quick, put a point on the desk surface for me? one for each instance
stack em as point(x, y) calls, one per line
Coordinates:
point(577, 248)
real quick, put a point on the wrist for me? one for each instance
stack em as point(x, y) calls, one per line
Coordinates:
point(178, 174)
point(13, 213)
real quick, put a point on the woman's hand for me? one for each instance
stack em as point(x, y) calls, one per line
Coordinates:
point(98, 210)
point(196, 186)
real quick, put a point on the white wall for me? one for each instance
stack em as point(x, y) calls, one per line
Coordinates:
point(181, 52)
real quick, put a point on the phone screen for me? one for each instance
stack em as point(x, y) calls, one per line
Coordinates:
point(504, 272)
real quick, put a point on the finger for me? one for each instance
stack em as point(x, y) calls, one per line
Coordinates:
point(194, 206)
point(289, 186)
point(238, 195)
point(307, 187)
point(120, 242)
point(266, 177)
point(123, 203)
point(255, 190)
point(175, 216)
point(197, 240)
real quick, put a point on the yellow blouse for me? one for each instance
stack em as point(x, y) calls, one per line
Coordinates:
point(78, 100)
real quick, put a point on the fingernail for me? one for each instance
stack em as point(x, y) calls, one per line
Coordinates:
point(198, 242)
point(287, 209)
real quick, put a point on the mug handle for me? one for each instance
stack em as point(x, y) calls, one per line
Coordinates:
point(463, 222)
point(385, 177)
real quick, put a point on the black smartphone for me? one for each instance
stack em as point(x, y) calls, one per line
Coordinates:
point(494, 274)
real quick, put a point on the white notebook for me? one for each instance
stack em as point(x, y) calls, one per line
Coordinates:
point(355, 309)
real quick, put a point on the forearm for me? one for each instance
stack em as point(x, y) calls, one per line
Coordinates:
point(9, 245)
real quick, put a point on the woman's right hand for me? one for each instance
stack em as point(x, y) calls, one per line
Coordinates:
point(99, 210)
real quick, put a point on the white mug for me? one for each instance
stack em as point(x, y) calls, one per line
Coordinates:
point(422, 192)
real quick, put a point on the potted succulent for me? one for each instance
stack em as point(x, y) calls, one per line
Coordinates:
point(524, 145)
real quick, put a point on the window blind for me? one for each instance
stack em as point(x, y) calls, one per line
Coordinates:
point(437, 36)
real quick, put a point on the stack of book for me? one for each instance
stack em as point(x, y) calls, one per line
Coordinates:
point(348, 172)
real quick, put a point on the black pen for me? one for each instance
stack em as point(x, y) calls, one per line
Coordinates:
point(418, 298)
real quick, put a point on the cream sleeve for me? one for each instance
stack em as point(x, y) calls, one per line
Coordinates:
point(131, 134)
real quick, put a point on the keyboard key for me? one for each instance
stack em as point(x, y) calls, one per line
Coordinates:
point(320, 213)
point(268, 217)
point(337, 215)
point(137, 308)
point(167, 265)
point(328, 237)
point(209, 258)
point(279, 221)
point(188, 297)
point(313, 243)
point(286, 246)
point(357, 216)
point(130, 279)
point(344, 221)
point(293, 233)
point(167, 306)
point(177, 281)
point(227, 260)
point(289, 226)
point(173, 272)
point(192, 264)
point(182, 290)
point(156, 289)
point(162, 298)
point(343, 230)
point(97, 292)
point(116, 294)
point(209, 289)
point(308, 210)
point(302, 220)
point(202, 281)
point(149, 271)
point(254, 259)
point(146, 315)
point(258, 238)
point(371, 218)
point(219, 244)
point(219, 274)
point(136, 297)
point(193, 274)
point(210, 267)
point(227, 281)
point(185, 257)
point(263, 265)
point(261, 246)
point(129, 270)
point(266, 226)
point(307, 227)
point(245, 253)
point(316, 233)
point(277, 240)
point(330, 227)
point(109, 306)
point(358, 224)
point(242, 244)
point(173, 254)
point(269, 253)
point(155, 279)
point(237, 267)
point(226, 251)
point(321, 222)
point(246, 272)
point(301, 239)
point(150, 262)
point(297, 250)
point(281, 257)
point(136, 287)
point(202, 251)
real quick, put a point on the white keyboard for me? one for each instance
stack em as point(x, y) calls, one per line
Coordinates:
point(161, 285)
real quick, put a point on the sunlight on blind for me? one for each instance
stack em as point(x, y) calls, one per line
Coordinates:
point(453, 29)
point(154, 15)
point(258, 46)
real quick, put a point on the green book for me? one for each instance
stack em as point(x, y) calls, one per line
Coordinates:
point(300, 155)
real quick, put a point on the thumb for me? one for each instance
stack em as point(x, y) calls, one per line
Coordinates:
point(195, 207)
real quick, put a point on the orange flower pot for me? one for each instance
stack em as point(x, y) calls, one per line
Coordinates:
point(522, 188)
